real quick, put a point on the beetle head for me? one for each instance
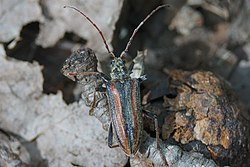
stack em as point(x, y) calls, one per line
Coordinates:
point(119, 71)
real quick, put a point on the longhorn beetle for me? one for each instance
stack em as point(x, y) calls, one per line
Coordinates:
point(123, 93)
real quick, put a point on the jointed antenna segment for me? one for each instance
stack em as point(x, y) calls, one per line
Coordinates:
point(139, 26)
point(100, 32)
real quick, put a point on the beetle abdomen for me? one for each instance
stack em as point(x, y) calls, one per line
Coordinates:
point(126, 115)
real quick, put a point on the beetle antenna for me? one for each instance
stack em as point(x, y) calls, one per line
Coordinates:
point(143, 21)
point(96, 27)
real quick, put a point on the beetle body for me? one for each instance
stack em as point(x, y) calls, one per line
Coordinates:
point(123, 93)
point(126, 115)
point(124, 100)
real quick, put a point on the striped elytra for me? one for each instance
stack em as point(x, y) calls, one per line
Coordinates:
point(126, 114)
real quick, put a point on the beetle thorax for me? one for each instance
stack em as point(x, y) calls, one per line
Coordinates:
point(119, 71)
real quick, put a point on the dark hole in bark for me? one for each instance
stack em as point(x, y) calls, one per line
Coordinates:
point(50, 58)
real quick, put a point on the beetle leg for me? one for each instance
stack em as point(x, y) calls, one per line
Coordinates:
point(154, 116)
point(93, 105)
point(101, 89)
point(111, 137)
point(158, 142)
point(83, 73)
point(104, 77)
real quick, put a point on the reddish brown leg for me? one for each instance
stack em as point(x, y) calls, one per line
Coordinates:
point(158, 142)
point(83, 73)
point(91, 111)
point(153, 116)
